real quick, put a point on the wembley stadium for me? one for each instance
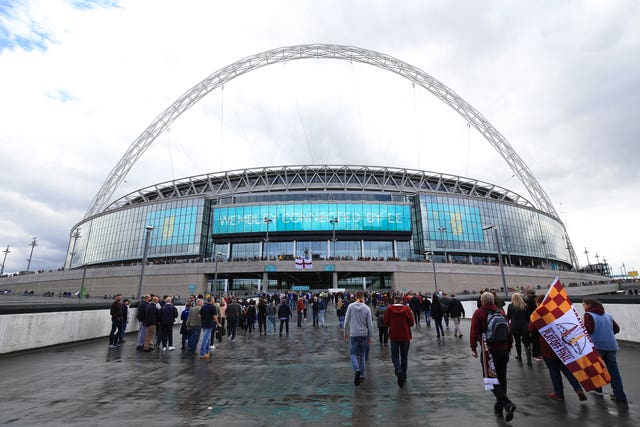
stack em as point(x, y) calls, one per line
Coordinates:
point(317, 226)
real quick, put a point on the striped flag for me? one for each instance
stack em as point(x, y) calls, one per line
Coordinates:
point(559, 324)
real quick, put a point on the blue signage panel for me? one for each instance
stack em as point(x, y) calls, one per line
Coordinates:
point(269, 268)
point(457, 221)
point(311, 217)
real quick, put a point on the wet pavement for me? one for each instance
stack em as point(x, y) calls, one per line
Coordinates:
point(300, 379)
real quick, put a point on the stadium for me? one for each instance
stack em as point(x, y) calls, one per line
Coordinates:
point(318, 226)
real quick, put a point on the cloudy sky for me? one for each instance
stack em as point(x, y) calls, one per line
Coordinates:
point(80, 80)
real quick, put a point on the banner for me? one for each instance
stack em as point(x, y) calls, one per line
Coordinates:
point(489, 375)
point(304, 263)
point(558, 322)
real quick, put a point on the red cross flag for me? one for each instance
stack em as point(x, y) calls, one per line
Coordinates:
point(304, 263)
point(559, 324)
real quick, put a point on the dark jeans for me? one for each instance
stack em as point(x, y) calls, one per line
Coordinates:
point(500, 360)
point(233, 325)
point(314, 316)
point(282, 323)
point(262, 324)
point(383, 334)
point(520, 336)
point(438, 322)
point(416, 316)
point(400, 356)
point(116, 331)
point(555, 368)
point(299, 319)
point(166, 335)
point(194, 338)
point(609, 358)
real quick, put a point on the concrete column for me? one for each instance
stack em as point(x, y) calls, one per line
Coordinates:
point(334, 278)
point(265, 282)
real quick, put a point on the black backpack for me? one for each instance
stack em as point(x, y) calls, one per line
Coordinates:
point(497, 328)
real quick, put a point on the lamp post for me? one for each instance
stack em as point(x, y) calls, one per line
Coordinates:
point(333, 222)
point(33, 244)
point(586, 252)
point(444, 244)
point(6, 252)
point(506, 240)
point(147, 237)
point(497, 236)
point(435, 279)
point(266, 239)
point(76, 236)
point(215, 275)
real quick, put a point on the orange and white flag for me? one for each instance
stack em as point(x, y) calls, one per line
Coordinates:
point(559, 324)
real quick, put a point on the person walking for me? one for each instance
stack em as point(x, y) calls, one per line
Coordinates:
point(233, 318)
point(400, 320)
point(209, 321)
point(456, 311)
point(416, 306)
point(184, 331)
point(272, 312)
point(602, 328)
point(151, 319)
point(194, 325)
point(284, 314)
point(125, 318)
point(518, 314)
point(141, 313)
point(426, 309)
point(300, 308)
point(383, 329)
point(358, 328)
point(556, 367)
point(262, 316)
point(436, 314)
point(498, 351)
point(341, 310)
point(116, 322)
point(444, 303)
point(168, 315)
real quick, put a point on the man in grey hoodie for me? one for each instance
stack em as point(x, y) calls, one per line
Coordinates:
point(358, 329)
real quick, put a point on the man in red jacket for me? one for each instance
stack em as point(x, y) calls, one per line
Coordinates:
point(399, 318)
point(499, 352)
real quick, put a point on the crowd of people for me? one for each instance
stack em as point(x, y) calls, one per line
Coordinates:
point(207, 319)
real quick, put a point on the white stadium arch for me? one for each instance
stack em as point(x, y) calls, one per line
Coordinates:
point(322, 51)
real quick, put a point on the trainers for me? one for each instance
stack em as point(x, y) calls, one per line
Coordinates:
point(555, 396)
point(171, 348)
point(206, 356)
point(510, 408)
point(581, 395)
point(356, 380)
point(213, 347)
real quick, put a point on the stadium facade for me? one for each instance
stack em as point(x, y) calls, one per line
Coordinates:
point(334, 216)
point(348, 226)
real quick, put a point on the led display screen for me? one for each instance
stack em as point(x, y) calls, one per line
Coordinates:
point(311, 217)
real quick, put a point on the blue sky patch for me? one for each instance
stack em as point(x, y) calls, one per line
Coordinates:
point(61, 95)
point(94, 4)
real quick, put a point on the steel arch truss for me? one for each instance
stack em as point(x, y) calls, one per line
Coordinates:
point(320, 51)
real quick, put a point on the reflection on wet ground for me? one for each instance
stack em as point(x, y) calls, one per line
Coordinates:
point(305, 377)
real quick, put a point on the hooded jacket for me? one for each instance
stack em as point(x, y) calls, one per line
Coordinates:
point(357, 322)
point(399, 318)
